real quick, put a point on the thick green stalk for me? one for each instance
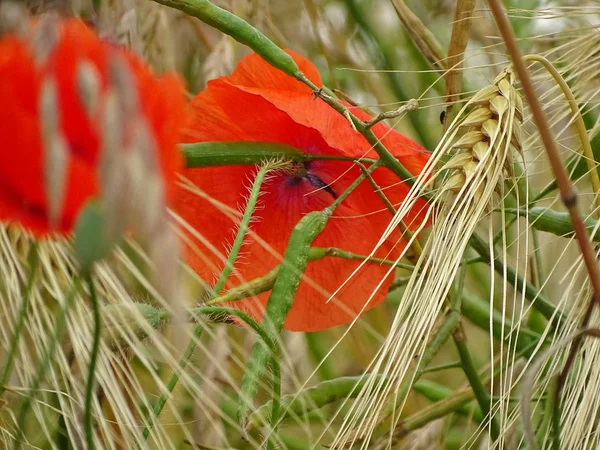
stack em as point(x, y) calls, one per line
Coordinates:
point(279, 303)
point(478, 312)
point(344, 388)
point(207, 154)
point(238, 29)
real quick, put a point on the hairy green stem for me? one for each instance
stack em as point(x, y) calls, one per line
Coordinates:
point(243, 227)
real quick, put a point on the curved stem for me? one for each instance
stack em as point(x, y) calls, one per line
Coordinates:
point(579, 123)
point(33, 262)
point(404, 230)
point(567, 192)
point(162, 400)
point(220, 311)
point(89, 393)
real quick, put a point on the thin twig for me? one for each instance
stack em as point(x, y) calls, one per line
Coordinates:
point(409, 106)
point(530, 376)
point(568, 194)
point(404, 230)
point(586, 146)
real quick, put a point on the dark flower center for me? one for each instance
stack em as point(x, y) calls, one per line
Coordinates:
point(301, 171)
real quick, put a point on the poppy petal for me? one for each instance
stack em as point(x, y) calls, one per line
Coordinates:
point(260, 103)
point(254, 72)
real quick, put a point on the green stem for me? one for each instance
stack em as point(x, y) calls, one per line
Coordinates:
point(478, 313)
point(162, 400)
point(243, 32)
point(549, 413)
point(404, 231)
point(265, 283)
point(344, 388)
point(436, 392)
point(538, 300)
point(338, 201)
point(441, 367)
point(272, 349)
point(207, 154)
point(89, 393)
point(446, 406)
point(223, 312)
point(322, 252)
point(417, 121)
point(386, 158)
point(443, 333)
point(555, 405)
point(479, 390)
point(238, 29)
point(244, 224)
point(33, 263)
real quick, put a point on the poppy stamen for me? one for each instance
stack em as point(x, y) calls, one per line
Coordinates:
point(320, 184)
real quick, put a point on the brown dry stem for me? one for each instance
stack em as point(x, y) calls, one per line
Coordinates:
point(456, 51)
point(567, 191)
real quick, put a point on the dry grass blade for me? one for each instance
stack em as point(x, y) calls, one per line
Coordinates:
point(458, 44)
point(420, 34)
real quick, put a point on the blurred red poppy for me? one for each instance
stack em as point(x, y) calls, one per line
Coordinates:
point(260, 103)
point(47, 69)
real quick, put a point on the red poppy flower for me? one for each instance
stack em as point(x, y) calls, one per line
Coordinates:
point(260, 103)
point(26, 68)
